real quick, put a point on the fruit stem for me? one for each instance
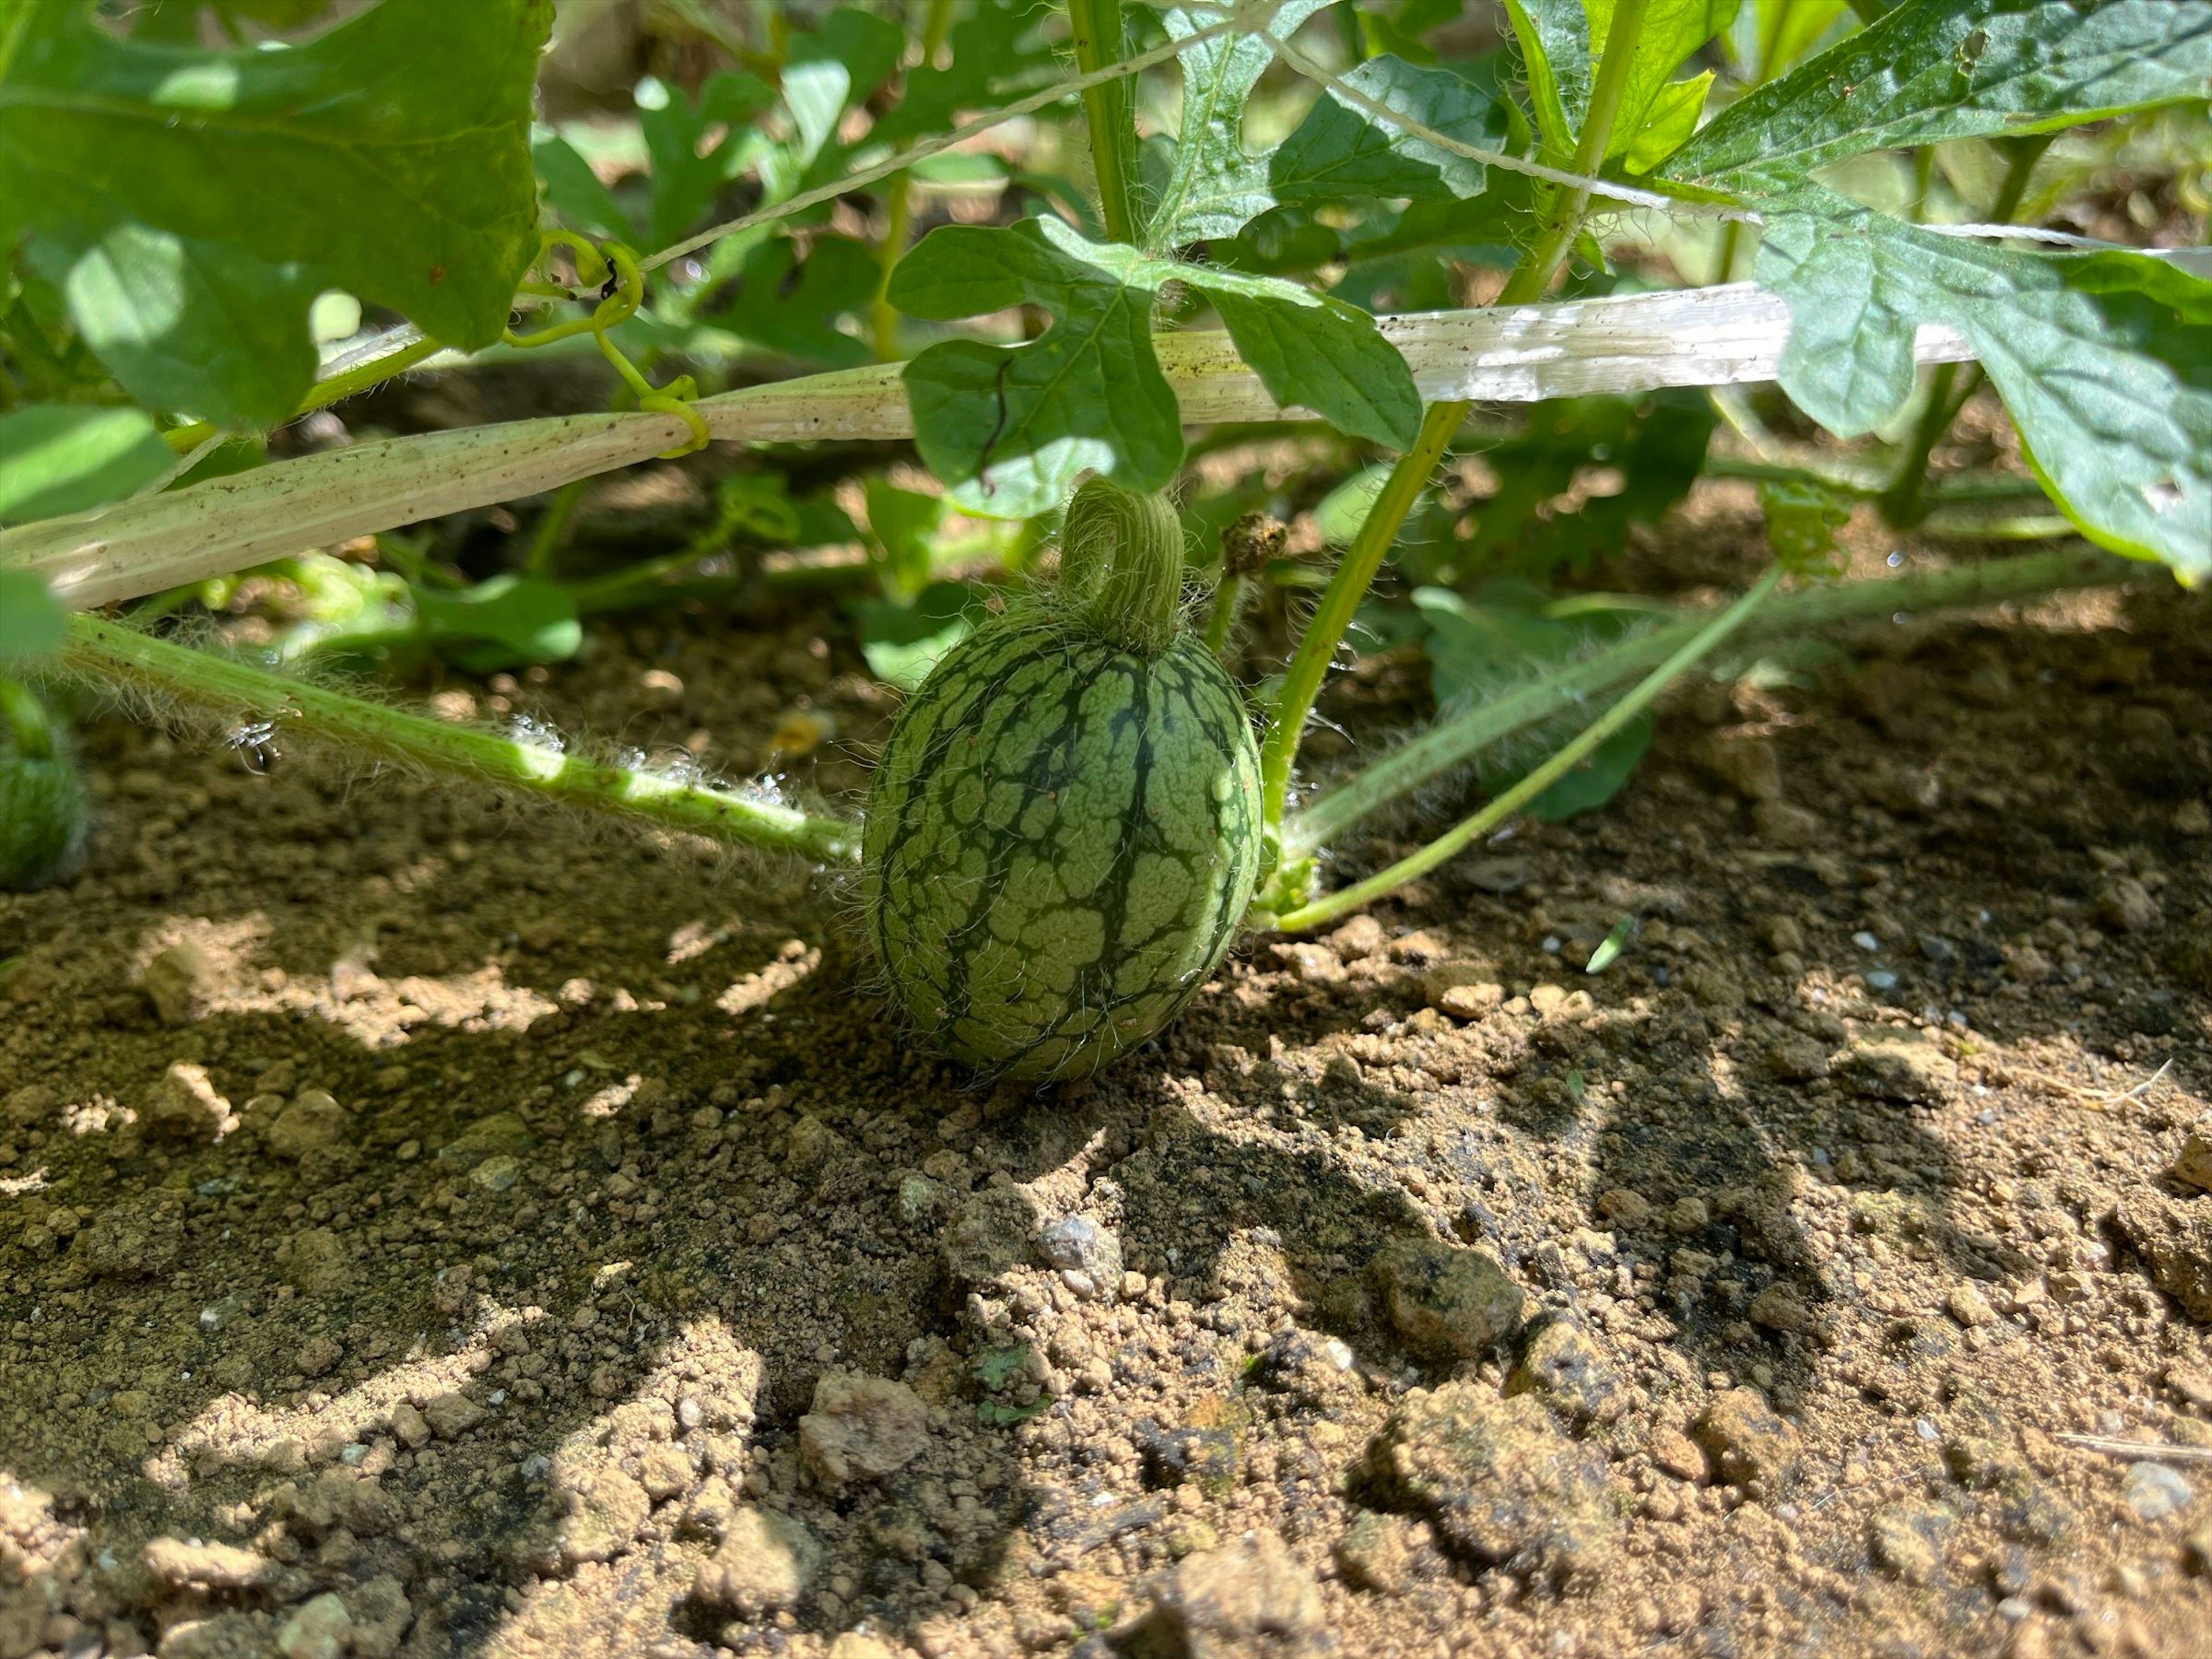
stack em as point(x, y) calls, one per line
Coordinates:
point(1121, 563)
point(110, 653)
point(1454, 841)
point(1455, 742)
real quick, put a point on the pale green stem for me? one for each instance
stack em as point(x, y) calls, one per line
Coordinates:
point(323, 393)
point(1228, 596)
point(1377, 531)
point(1455, 742)
point(898, 204)
point(553, 527)
point(1533, 278)
point(1110, 111)
point(108, 653)
point(1455, 841)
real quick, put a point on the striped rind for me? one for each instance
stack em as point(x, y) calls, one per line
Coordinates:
point(1062, 837)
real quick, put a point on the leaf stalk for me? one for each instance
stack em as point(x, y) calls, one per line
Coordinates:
point(1110, 112)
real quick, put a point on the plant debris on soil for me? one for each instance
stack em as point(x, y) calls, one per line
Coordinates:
point(435, 1228)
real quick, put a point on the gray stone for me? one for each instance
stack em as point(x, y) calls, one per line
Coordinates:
point(1561, 1366)
point(1247, 1598)
point(1906, 1541)
point(1747, 1441)
point(861, 1428)
point(452, 1415)
point(2154, 1491)
point(1502, 1482)
point(1447, 1303)
point(321, 1628)
point(989, 1233)
point(1088, 1254)
point(488, 1137)
point(313, 1118)
point(181, 983)
point(763, 1564)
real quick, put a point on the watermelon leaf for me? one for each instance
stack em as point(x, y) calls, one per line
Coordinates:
point(64, 458)
point(1937, 70)
point(189, 246)
point(32, 621)
point(2104, 360)
point(1009, 429)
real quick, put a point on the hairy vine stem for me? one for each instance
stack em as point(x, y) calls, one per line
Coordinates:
point(1455, 741)
point(1386, 516)
point(112, 654)
point(1449, 846)
point(1110, 112)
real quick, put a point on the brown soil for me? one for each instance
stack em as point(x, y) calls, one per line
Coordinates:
point(567, 1317)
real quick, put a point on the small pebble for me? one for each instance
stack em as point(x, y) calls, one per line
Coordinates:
point(2154, 1491)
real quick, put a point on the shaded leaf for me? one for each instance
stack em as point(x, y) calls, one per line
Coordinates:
point(575, 192)
point(900, 525)
point(32, 621)
point(684, 181)
point(2104, 360)
point(64, 458)
point(903, 642)
point(1935, 70)
point(1788, 29)
point(831, 70)
point(499, 623)
point(1340, 149)
point(1479, 647)
point(792, 306)
point(998, 50)
point(1563, 41)
point(403, 178)
point(1214, 186)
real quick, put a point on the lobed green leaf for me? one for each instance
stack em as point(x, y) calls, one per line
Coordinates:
point(64, 458)
point(190, 205)
point(1009, 429)
point(1936, 70)
point(2104, 360)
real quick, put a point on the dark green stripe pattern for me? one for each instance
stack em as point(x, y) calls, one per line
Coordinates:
point(1061, 840)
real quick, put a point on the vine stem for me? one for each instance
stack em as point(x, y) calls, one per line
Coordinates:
point(323, 393)
point(1904, 503)
point(1110, 112)
point(1286, 721)
point(1448, 845)
point(898, 204)
point(110, 654)
point(1378, 531)
point(1454, 743)
point(1532, 279)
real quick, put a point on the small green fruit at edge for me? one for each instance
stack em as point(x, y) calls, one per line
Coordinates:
point(1064, 833)
point(42, 810)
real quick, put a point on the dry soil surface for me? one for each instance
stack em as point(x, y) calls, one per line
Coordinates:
point(435, 1228)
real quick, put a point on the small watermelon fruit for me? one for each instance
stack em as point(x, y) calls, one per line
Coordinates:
point(42, 806)
point(1064, 832)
